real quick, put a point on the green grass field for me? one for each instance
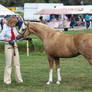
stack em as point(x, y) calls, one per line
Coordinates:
point(76, 74)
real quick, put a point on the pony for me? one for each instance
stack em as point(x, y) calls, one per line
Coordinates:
point(58, 45)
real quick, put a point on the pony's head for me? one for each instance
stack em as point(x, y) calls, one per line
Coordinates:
point(24, 31)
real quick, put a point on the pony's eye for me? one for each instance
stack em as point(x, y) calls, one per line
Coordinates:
point(23, 29)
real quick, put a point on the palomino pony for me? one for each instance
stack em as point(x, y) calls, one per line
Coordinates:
point(59, 45)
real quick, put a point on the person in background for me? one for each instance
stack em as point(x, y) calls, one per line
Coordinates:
point(42, 20)
point(8, 35)
point(66, 23)
point(19, 23)
point(72, 21)
point(3, 21)
point(87, 21)
point(60, 23)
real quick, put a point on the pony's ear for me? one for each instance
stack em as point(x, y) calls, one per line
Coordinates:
point(26, 23)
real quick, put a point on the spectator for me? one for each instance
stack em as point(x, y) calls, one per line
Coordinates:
point(41, 20)
point(3, 21)
point(87, 21)
point(20, 21)
point(72, 21)
point(66, 23)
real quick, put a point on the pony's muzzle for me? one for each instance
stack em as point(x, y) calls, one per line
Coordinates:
point(19, 37)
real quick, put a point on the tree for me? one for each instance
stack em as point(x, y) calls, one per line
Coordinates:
point(54, 1)
point(11, 2)
point(65, 2)
point(46, 1)
point(89, 2)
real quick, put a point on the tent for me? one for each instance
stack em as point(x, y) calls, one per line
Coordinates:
point(67, 10)
point(5, 11)
point(51, 11)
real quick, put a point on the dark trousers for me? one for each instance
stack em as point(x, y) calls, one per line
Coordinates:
point(65, 29)
point(87, 24)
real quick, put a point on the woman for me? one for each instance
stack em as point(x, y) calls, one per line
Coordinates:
point(8, 34)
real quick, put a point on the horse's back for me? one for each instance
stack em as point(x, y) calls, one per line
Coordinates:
point(67, 45)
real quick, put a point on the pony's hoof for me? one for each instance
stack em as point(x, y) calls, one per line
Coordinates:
point(48, 83)
point(58, 82)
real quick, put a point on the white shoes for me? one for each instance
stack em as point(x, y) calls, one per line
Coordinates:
point(7, 83)
point(20, 81)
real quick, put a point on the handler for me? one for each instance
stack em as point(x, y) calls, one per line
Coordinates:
point(8, 34)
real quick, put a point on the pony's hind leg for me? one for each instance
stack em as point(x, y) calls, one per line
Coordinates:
point(51, 61)
point(58, 70)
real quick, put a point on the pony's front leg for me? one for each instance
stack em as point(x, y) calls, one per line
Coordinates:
point(51, 60)
point(58, 70)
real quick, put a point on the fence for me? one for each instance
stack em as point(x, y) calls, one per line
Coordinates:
point(27, 46)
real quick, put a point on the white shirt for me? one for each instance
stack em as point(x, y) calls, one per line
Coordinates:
point(6, 32)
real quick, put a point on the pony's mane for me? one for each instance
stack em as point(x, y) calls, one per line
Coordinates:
point(44, 26)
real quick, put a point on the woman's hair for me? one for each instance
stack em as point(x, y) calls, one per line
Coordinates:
point(11, 19)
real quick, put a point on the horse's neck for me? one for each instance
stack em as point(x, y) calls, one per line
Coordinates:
point(40, 34)
point(41, 31)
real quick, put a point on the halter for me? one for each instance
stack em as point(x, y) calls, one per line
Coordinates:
point(22, 34)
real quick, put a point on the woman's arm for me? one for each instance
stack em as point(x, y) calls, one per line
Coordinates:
point(2, 36)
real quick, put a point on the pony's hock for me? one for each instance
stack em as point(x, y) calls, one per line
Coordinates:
point(59, 45)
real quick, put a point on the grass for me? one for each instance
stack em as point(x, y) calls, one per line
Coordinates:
point(76, 74)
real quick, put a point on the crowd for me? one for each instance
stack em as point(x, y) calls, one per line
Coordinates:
point(69, 21)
